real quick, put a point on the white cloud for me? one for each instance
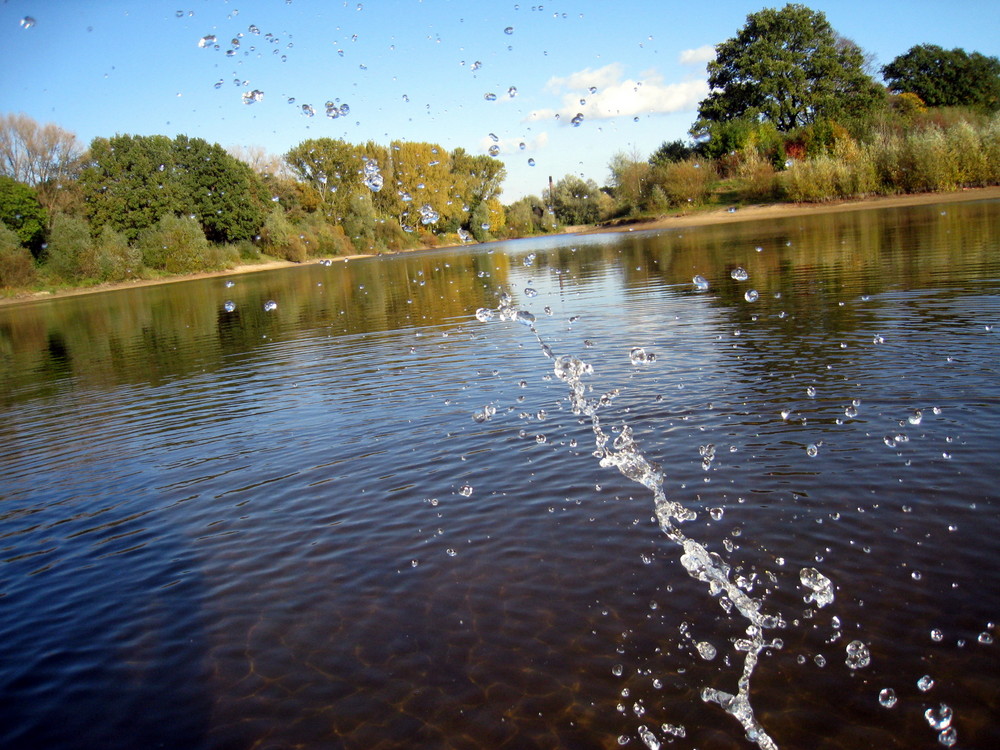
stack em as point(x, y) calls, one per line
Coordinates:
point(584, 79)
point(697, 56)
point(513, 145)
point(615, 96)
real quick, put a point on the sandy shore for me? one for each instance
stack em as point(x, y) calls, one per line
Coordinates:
point(784, 210)
point(700, 218)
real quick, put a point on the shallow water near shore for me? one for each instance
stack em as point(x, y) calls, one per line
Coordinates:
point(360, 517)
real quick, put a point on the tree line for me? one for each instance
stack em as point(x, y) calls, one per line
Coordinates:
point(133, 205)
point(793, 113)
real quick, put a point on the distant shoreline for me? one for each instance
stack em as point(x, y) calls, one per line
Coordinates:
point(697, 218)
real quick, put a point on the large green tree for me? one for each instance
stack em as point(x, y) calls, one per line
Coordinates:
point(134, 180)
point(946, 78)
point(333, 168)
point(788, 67)
point(129, 183)
point(222, 192)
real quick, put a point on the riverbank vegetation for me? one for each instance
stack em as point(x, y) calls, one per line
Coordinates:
point(793, 114)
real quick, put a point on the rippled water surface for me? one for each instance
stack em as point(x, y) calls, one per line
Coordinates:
point(303, 526)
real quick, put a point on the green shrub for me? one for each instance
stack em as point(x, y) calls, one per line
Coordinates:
point(390, 236)
point(812, 180)
point(247, 250)
point(966, 152)
point(218, 257)
point(110, 258)
point(17, 269)
point(991, 149)
point(757, 178)
point(359, 223)
point(329, 239)
point(176, 245)
point(687, 182)
point(858, 177)
point(929, 164)
point(69, 245)
point(283, 240)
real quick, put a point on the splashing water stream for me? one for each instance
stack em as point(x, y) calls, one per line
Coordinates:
point(708, 567)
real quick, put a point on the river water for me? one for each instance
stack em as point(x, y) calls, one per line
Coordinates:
point(360, 517)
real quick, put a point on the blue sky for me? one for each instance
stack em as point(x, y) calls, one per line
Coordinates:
point(416, 70)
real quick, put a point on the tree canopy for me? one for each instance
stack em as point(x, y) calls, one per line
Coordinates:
point(946, 78)
point(134, 180)
point(788, 67)
point(36, 154)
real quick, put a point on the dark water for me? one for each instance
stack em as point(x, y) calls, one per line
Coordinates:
point(284, 528)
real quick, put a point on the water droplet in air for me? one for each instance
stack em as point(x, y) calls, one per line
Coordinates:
point(307, 110)
point(509, 30)
point(985, 638)
point(647, 737)
point(249, 97)
point(948, 737)
point(465, 490)
point(528, 259)
point(916, 417)
point(531, 162)
point(428, 215)
point(751, 295)
point(925, 683)
point(205, 41)
point(811, 391)
point(822, 587)
point(887, 697)
point(490, 97)
point(639, 356)
point(700, 283)
point(740, 274)
point(858, 656)
point(512, 92)
point(372, 176)
point(493, 150)
point(230, 306)
point(529, 292)
point(812, 450)
point(230, 284)
point(937, 635)
point(270, 305)
point(940, 719)
point(577, 119)
point(706, 650)
point(485, 414)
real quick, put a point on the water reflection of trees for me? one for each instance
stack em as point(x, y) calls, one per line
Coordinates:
point(814, 263)
point(149, 334)
point(823, 280)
